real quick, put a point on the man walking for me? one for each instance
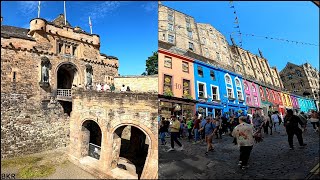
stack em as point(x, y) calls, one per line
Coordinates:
point(175, 127)
point(244, 134)
point(209, 128)
point(291, 123)
point(196, 128)
point(275, 118)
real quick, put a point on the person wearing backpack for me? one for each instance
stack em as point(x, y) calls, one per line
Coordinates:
point(209, 129)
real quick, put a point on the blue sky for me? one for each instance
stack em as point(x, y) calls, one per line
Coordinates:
point(296, 21)
point(128, 30)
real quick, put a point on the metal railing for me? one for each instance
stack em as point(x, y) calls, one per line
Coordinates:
point(64, 92)
point(94, 151)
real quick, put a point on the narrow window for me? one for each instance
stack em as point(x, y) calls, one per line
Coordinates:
point(201, 90)
point(167, 85)
point(191, 47)
point(200, 71)
point(60, 45)
point(168, 62)
point(14, 76)
point(74, 50)
point(215, 93)
point(170, 39)
point(230, 94)
point(190, 34)
point(239, 93)
point(185, 67)
point(186, 87)
point(212, 76)
point(218, 56)
point(170, 27)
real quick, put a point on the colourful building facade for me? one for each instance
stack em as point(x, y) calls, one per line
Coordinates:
point(218, 91)
point(251, 91)
point(176, 82)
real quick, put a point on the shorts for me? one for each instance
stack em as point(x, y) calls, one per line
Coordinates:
point(209, 138)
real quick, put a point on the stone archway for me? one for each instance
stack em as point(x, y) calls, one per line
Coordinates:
point(130, 150)
point(150, 167)
point(91, 139)
point(67, 77)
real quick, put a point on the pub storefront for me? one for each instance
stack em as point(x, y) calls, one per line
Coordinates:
point(179, 107)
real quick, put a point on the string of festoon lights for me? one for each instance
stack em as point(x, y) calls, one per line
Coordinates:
point(238, 32)
point(236, 22)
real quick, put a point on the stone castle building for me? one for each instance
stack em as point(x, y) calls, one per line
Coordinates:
point(47, 72)
point(181, 34)
point(302, 80)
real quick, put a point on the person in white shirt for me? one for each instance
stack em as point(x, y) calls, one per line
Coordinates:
point(106, 87)
point(123, 88)
point(98, 87)
point(275, 118)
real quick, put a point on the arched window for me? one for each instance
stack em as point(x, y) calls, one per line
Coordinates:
point(228, 79)
point(261, 92)
point(229, 86)
point(239, 89)
point(254, 88)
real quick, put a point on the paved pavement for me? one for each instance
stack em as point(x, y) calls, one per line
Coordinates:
point(270, 159)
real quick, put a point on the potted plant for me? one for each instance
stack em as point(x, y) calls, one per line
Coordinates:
point(168, 93)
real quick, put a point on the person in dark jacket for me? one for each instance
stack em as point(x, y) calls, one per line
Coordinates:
point(291, 122)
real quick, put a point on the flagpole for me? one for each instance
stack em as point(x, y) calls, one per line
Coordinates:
point(65, 13)
point(90, 25)
point(39, 9)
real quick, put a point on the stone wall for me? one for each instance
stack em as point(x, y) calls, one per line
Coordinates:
point(27, 129)
point(112, 111)
point(138, 83)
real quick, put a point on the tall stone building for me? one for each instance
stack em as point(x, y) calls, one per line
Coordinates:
point(181, 34)
point(302, 80)
point(255, 67)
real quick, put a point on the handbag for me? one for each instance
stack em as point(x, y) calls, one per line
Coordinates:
point(258, 136)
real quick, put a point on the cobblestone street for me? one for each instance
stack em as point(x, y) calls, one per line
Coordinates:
point(270, 159)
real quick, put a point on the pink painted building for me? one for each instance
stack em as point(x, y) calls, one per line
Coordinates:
point(252, 96)
point(295, 103)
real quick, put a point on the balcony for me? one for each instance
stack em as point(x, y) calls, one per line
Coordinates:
point(64, 95)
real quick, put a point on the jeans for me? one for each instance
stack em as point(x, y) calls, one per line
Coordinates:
point(296, 132)
point(196, 134)
point(245, 154)
point(189, 135)
point(276, 127)
point(174, 138)
point(162, 137)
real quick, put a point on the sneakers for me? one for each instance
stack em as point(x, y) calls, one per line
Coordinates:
point(244, 167)
point(303, 145)
point(240, 163)
point(171, 149)
point(291, 148)
point(181, 148)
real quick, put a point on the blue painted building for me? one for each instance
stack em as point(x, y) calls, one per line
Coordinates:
point(306, 105)
point(218, 91)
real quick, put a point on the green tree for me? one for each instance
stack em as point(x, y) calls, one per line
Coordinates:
point(152, 64)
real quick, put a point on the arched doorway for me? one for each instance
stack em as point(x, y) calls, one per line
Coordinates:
point(67, 77)
point(130, 150)
point(91, 141)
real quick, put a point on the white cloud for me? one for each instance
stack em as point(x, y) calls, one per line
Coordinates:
point(29, 8)
point(101, 9)
point(150, 6)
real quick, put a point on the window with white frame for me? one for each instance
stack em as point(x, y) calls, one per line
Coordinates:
point(190, 34)
point(237, 82)
point(215, 92)
point(170, 17)
point(239, 88)
point(170, 27)
point(248, 99)
point(201, 90)
point(227, 79)
point(246, 87)
point(229, 91)
point(170, 38)
point(204, 40)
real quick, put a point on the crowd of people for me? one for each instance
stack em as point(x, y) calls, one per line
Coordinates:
point(108, 87)
point(245, 130)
